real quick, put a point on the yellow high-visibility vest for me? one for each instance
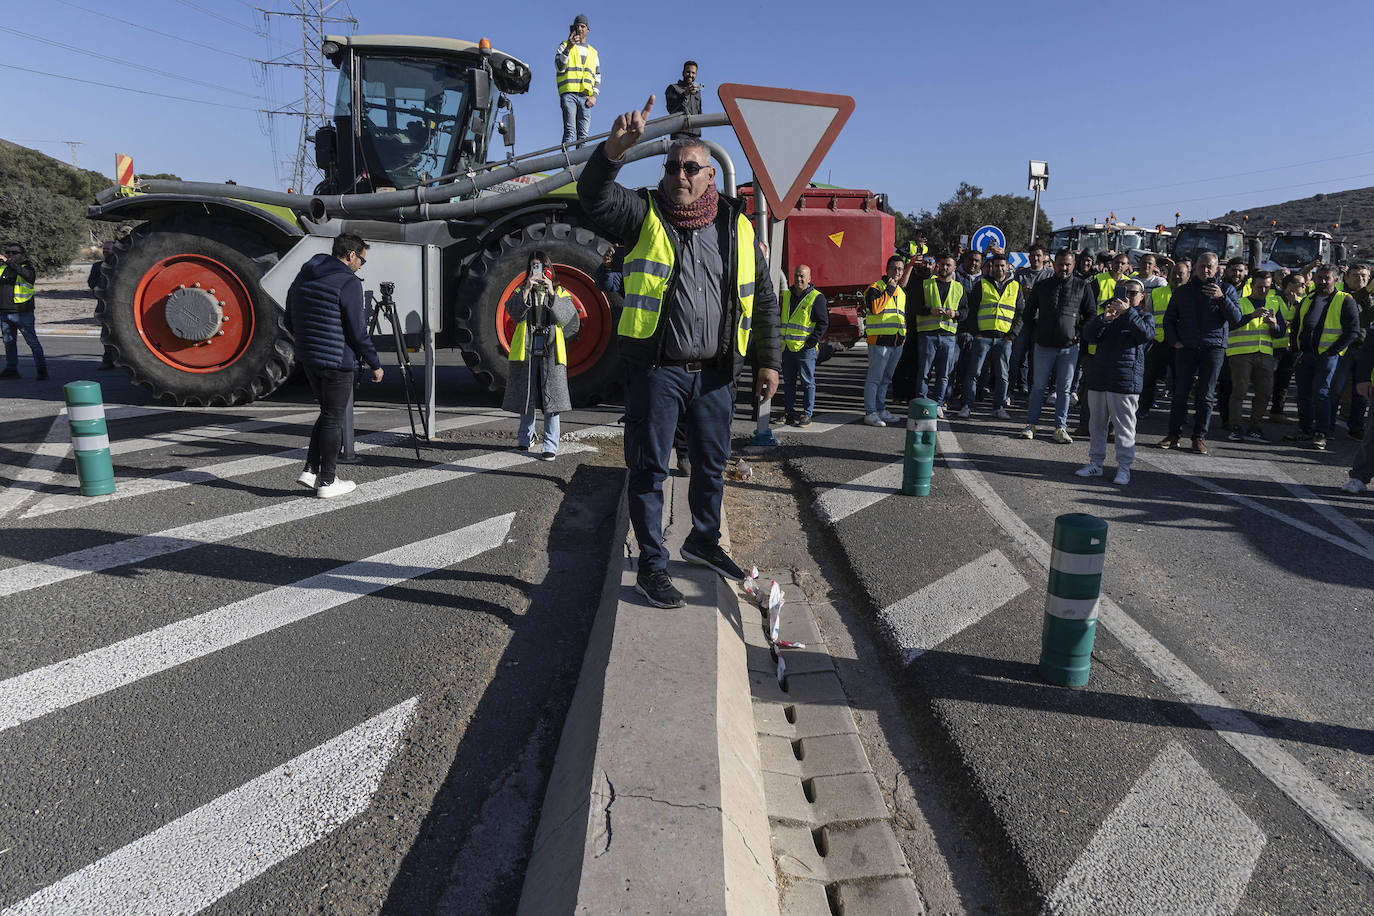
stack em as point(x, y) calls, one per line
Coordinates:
point(517, 341)
point(931, 292)
point(798, 323)
point(1331, 327)
point(892, 319)
point(23, 289)
point(1159, 301)
point(1253, 336)
point(996, 311)
point(1287, 310)
point(649, 268)
point(580, 75)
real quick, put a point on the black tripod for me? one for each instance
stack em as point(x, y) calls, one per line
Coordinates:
point(387, 305)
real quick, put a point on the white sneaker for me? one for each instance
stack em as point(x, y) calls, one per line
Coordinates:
point(1353, 485)
point(940, 411)
point(965, 412)
point(1001, 414)
point(1028, 432)
point(307, 479)
point(1123, 476)
point(1073, 398)
point(1061, 435)
point(874, 419)
point(338, 488)
point(1089, 470)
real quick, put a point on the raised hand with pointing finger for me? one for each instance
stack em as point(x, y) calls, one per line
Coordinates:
point(627, 130)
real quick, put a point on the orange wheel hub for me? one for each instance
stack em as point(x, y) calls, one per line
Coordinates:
point(201, 292)
point(593, 310)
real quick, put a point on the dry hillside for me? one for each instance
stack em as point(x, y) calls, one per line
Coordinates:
point(1354, 208)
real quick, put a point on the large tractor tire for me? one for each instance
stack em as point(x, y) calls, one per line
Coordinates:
point(182, 311)
point(485, 329)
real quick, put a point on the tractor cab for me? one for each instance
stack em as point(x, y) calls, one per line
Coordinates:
point(1090, 239)
point(1296, 248)
point(1224, 240)
point(410, 109)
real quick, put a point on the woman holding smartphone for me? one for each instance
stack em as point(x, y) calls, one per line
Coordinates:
point(545, 319)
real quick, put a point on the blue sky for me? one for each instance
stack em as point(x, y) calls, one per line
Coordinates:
point(1141, 110)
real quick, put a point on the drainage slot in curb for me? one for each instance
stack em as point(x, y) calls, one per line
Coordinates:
point(822, 843)
point(797, 751)
point(790, 714)
point(832, 897)
point(809, 790)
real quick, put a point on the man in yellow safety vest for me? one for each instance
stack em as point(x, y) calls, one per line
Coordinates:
point(994, 319)
point(885, 326)
point(1327, 322)
point(1250, 351)
point(578, 70)
point(698, 301)
point(17, 276)
point(805, 319)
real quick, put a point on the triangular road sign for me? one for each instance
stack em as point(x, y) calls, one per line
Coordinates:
point(785, 134)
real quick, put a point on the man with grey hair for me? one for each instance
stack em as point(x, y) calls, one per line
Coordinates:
point(698, 301)
point(1116, 374)
point(1197, 323)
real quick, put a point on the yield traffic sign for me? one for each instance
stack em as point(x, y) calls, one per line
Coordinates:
point(785, 134)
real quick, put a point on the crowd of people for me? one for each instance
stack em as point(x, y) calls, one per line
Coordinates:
point(1102, 333)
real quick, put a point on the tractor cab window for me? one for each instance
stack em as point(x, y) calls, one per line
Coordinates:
point(410, 112)
point(1295, 251)
point(1128, 241)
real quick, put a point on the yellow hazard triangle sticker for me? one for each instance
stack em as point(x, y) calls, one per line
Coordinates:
point(837, 238)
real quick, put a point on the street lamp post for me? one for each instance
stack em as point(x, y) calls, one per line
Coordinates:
point(1039, 180)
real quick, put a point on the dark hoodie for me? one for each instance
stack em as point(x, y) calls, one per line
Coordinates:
point(324, 313)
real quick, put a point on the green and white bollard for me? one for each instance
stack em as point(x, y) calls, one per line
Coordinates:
point(919, 462)
point(1066, 644)
point(86, 418)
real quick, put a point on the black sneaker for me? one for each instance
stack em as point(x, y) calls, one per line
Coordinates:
point(10, 373)
point(42, 375)
point(657, 586)
point(804, 420)
point(1297, 437)
point(1236, 435)
point(715, 558)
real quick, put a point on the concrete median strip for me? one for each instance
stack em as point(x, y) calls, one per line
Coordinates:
point(656, 800)
point(188, 864)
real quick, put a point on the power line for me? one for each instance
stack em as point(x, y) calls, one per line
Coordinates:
point(124, 63)
point(1179, 184)
point(135, 25)
point(161, 95)
point(1282, 187)
point(214, 15)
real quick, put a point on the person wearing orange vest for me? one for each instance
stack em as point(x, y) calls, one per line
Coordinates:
point(995, 304)
point(1250, 352)
point(577, 68)
point(1327, 322)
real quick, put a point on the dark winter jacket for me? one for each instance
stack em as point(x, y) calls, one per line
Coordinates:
point(1058, 309)
point(974, 301)
point(1119, 365)
point(1364, 361)
point(9, 272)
point(324, 313)
point(621, 212)
point(1200, 323)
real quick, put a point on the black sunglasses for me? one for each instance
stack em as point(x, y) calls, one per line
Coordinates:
point(673, 166)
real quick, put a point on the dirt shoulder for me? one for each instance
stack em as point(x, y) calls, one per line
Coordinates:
point(63, 299)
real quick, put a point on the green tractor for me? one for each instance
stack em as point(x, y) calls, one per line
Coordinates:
point(406, 160)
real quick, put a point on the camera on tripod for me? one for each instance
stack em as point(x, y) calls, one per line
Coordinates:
point(386, 306)
point(388, 290)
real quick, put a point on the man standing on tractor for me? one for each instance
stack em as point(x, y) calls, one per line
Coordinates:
point(17, 275)
point(697, 302)
point(684, 97)
point(578, 69)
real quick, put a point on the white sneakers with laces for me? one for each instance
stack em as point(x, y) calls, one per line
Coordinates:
point(874, 419)
point(338, 488)
point(1089, 470)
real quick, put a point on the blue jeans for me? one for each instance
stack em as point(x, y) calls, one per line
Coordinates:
point(882, 361)
point(13, 324)
point(654, 400)
point(1358, 405)
point(525, 435)
point(577, 119)
point(936, 352)
point(1021, 348)
point(978, 351)
point(800, 364)
point(1060, 362)
point(1194, 370)
point(1314, 375)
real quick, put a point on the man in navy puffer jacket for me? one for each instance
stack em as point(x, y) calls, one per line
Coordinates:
point(324, 313)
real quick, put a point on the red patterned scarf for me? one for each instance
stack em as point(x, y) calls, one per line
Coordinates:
point(692, 216)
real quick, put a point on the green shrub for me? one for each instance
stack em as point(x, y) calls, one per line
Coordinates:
point(50, 226)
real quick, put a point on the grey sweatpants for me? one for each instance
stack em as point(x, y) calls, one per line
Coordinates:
point(1104, 406)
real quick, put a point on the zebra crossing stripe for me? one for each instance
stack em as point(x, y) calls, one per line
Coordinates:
point(40, 467)
point(74, 680)
point(229, 431)
point(188, 864)
point(228, 470)
point(843, 501)
point(141, 548)
point(951, 604)
point(1176, 843)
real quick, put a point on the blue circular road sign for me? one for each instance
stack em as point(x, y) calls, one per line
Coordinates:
point(988, 235)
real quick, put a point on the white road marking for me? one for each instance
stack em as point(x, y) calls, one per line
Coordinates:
point(1343, 823)
point(820, 423)
point(228, 470)
point(1176, 843)
point(188, 864)
point(1326, 510)
point(1366, 552)
point(951, 604)
point(860, 493)
point(66, 683)
point(142, 548)
point(41, 466)
point(213, 431)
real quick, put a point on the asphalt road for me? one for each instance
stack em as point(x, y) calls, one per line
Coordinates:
point(1220, 758)
point(218, 691)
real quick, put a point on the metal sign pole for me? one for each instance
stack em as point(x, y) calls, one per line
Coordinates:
point(1035, 212)
point(432, 260)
